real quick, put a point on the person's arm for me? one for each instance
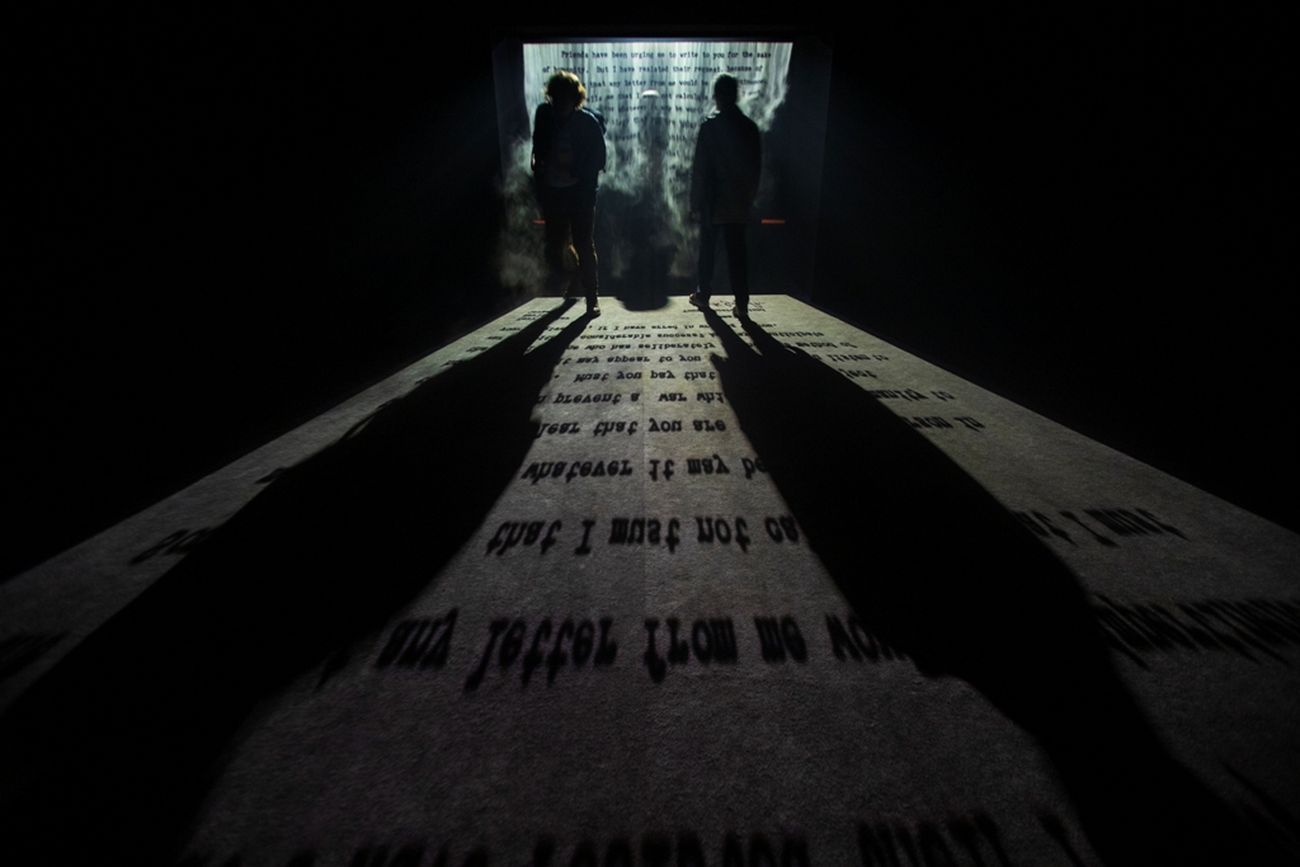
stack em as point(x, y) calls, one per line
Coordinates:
point(699, 176)
point(756, 160)
point(600, 152)
point(541, 135)
point(595, 157)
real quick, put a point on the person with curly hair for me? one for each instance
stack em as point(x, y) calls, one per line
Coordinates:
point(568, 156)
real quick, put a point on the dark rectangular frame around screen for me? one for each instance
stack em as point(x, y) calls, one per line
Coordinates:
point(783, 240)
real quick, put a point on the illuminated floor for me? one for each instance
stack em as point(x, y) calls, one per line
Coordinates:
point(666, 588)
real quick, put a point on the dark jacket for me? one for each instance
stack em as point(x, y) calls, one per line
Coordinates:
point(584, 156)
point(728, 161)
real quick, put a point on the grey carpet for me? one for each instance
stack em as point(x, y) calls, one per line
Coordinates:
point(663, 589)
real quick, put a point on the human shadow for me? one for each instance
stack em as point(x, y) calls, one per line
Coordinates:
point(941, 570)
point(107, 758)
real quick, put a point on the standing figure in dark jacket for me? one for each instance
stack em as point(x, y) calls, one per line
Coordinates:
point(568, 154)
point(724, 182)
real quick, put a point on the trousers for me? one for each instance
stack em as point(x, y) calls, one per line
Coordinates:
point(570, 213)
point(733, 236)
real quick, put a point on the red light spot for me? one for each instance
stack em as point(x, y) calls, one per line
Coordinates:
point(772, 221)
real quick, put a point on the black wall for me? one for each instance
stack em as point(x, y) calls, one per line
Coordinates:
point(1085, 213)
point(226, 223)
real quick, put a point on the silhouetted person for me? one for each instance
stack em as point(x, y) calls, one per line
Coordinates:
point(568, 154)
point(724, 181)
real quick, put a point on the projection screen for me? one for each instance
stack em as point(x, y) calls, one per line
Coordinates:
point(653, 96)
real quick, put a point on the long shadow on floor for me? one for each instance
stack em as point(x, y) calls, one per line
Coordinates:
point(942, 571)
point(107, 757)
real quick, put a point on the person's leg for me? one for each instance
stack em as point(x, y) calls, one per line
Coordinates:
point(738, 263)
point(556, 241)
point(708, 244)
point(584, 241)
